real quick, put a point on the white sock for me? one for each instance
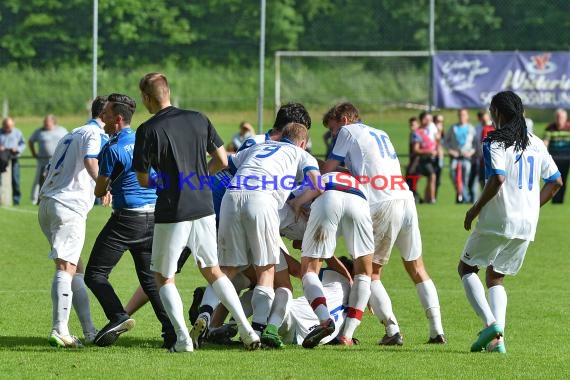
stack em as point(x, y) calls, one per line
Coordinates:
point(280, 305)
point(80, 301)
point(261, 301)
point(382, 307)
point(313, 289)
point(245, 300)
point(476, 297)
point(61, 296)
point(227, 294)
point(173, 305)
point(430, 302)
point(357, 300)
point(498, 303)
point(210, 297)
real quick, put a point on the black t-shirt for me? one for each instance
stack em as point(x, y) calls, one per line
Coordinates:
point(174, 142)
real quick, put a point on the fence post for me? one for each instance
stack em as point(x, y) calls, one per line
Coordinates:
point(6, 186)
point(5, 108)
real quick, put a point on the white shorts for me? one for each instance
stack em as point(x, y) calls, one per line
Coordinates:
point(282, 264)
point(249, 229)
point(170, 239)
point(504, 254)
point(338, 212)
point(64, 229)
point(395, 222)
point(291, 227)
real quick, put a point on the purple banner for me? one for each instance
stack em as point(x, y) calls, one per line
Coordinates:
point(470, 80)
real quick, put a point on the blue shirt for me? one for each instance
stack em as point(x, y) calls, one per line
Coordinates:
point(116, 162)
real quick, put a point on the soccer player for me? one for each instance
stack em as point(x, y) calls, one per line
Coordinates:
point(174, 142)
point(508, 210)
point(343, 208)
point(370, 157)
point(130, 227)
point(65, 199)
point(249, 228)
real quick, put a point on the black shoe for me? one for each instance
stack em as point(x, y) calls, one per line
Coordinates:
point(440, 339)
point(168, 342)
point(318, 333)
point(394, 340)
point(110, 333)
point(222, 335)
point(194, 310)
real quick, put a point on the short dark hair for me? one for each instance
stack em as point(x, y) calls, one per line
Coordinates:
point(122, 105)
point(97, 106)
point(423, 114)
point(292, 113)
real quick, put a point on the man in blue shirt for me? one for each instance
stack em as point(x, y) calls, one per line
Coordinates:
point(12, 141)
point(130, 227)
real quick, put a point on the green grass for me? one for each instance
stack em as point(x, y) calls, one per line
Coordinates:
point(538, 333)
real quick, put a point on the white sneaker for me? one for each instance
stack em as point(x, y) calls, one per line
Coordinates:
point(250, 340)
point(65, 341)
point(90, 336)
point(182, 346)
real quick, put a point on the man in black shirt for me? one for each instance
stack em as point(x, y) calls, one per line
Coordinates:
point(174, 143)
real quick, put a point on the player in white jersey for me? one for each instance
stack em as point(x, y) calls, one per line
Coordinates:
point(65, 199)
point(508, 209)
point(371, 158)
point(341, 208)
point(249, 227)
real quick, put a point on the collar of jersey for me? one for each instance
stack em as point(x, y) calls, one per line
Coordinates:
point(286, 140)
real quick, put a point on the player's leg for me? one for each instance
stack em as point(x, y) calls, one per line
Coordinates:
point(508, 261)
point(65, 231)
point(81, 303)
point(356, 225)
point(137, 300)
point(106, 253)
point(141, 251)
point(168, 241)
point(202, 242)
point(283, 294)
point(386, 222)
point(409, 243)
point(480, 249)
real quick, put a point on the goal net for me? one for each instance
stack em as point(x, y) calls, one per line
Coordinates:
point(373, 80)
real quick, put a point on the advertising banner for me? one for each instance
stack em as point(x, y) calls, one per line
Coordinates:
point(469, 80)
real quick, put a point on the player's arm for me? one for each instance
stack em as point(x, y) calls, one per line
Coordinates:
point(92, 167)
point(141, 156)
point(335, 264)
point(101, 185)
point(316, 188)
point(32, 148)
point(549, 190)
point(219, 160)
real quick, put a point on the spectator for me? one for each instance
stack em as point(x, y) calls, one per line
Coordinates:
point(12, 140)
point(460, 143)
point(557, 140)
point(245, 131)
point(487, 127)
point(412, 167)
point(424, 146)
point(438, 121)
point(46, 138)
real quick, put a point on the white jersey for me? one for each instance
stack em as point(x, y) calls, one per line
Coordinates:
point(67, 180)
point(254, 140)
point(272, 167)
point(370, 156)
point(513, 212)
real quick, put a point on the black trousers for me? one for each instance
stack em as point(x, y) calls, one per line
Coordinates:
point(563, 166)
point(133, 231)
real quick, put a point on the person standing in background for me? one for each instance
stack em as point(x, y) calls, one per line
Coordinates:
point(460, 143)
point(12, 140)
point(557, 140)
point(46, 138)
point(438, 121)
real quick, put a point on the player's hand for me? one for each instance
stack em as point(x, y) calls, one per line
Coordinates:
point(106, 199)
point(470, 215)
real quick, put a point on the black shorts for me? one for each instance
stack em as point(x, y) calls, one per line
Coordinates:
point(426, 166)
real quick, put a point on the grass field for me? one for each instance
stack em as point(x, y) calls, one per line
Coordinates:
point(538, 333)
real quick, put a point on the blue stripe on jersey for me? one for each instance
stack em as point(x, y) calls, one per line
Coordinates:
point(246, 144)
point(493, 172)
point(552, 178)
point(308, 168)
point(344, 188)
point(487, 158)
point(231, 166)
point(335, 157)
